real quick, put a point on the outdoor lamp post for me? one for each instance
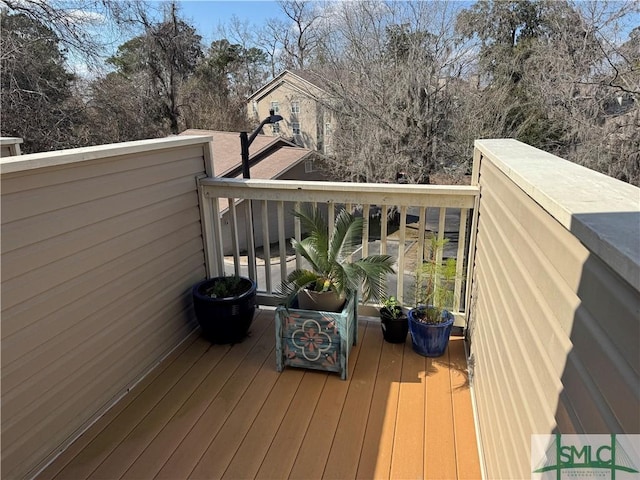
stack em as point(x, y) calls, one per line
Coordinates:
point(246, 140)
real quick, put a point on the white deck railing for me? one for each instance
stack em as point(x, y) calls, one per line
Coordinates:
point(442, 210)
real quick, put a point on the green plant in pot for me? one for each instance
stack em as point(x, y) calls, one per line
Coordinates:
point(309, 332)
point(393, 321)
point(332, 277)
point(430, 322)
point(225, 307)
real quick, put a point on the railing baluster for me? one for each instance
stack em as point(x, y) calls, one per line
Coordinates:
point(331, 214)
point(422, 232)
point(383, 229)
point(365, 230)
point(251, 246)
point(462, 240)
point(297, 230)
point(217, 235)
point(235, 245)
point(440, 251)
point(266, 247)
point(282, 242)
point(401, 247)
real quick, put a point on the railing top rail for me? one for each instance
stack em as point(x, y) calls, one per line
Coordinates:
point(453, 196)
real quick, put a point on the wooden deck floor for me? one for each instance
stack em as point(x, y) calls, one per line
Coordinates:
point(224, 412)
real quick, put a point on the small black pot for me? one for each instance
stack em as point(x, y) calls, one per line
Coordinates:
point(394, 330)
point(224, 320)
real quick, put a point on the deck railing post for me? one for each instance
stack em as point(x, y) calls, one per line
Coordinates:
point(471, 252)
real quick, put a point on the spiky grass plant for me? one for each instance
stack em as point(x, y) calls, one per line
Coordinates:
point(435, 281)
point(328, 256)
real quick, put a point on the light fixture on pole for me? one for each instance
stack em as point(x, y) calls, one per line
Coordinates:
point(246, 140)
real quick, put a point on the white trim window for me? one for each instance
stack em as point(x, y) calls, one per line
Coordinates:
point(275, 128)
point(295, 128)
point(295, 107)
point(308, 166)
point(275, 106)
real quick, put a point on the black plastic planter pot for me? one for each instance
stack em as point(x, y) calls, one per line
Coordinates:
point(224, 320)
point(394, 330)
point(430, 339)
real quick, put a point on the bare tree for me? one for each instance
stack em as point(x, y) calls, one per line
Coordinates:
point(165, 56)
point(37, 89)
point(393, 70)
point(84, 28)
point(560, 76)
point(293, 42)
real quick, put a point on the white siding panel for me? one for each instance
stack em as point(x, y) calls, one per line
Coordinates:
point(553, 328)
point(98, 258)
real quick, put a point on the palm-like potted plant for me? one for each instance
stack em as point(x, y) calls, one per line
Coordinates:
point(225, 307)
point(332, 277)
point(393, 321)
point(430, 322)
point(309, 332)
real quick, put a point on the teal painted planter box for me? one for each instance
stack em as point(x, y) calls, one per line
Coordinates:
point(315, 339)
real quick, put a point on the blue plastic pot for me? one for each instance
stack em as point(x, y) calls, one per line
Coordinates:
point(430, 339)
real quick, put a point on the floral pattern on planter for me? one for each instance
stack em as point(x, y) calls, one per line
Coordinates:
point(311, 341)
point(316, 339)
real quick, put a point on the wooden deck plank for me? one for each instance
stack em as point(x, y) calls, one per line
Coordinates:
point(377, 449)
point(249, 455)
point(123, 456)
point(466, 447)
point(316, 446)
point(98, 427)
point(224, 411)
point(408, 446)
point(283, 450)
point(347, 442)
point(149, 463)
point(102, 445)
point(183, 460)
point(439, 459)
point(215, 461)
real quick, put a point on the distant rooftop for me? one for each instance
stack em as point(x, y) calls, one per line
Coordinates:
point(281, 154)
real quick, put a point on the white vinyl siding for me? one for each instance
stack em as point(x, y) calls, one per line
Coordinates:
point(554, 329)
point(99, 252)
